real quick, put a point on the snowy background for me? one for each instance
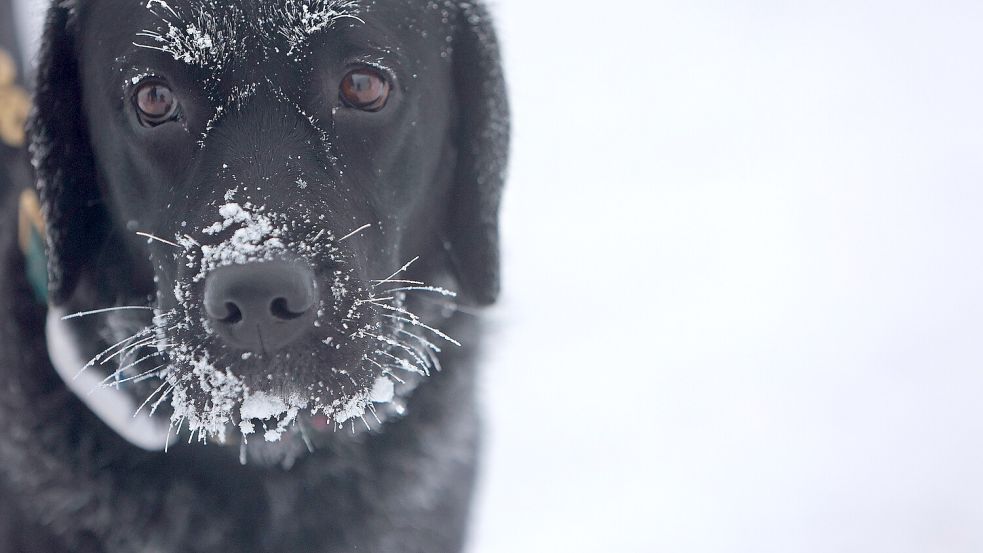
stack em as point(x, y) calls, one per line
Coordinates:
point(743, 304)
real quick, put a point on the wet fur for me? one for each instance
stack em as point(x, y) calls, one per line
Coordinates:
point(68, 483)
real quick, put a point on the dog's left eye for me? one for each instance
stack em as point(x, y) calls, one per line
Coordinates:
point(365, 89)
point(155, 104)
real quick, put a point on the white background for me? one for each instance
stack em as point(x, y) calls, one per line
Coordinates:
point(743, 304)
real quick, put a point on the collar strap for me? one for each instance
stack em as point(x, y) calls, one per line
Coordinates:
point(30, 234)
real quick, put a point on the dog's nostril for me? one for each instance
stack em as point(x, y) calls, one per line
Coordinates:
point(234, 313)
point(280, 310)
point(261, 306)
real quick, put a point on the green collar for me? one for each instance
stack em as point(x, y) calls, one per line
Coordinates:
point(30, 233)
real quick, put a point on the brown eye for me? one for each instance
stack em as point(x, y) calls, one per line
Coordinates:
point(155, 104)
point(365, 89)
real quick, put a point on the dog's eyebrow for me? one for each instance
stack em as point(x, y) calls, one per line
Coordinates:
point(209, 39)
point(204, 39)
point(299, 20)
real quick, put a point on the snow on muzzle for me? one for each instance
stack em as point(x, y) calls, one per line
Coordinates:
point(270, 319)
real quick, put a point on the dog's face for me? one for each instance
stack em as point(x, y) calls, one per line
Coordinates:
point(282, 184)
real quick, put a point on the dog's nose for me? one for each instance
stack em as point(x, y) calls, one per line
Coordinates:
point(260, 307)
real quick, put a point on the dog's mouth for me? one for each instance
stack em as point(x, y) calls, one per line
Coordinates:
point(348, 361)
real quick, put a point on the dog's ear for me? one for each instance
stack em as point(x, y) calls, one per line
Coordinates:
point(483, 141)
point(65, 171)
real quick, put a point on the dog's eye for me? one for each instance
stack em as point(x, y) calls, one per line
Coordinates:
point(365, 89)
point(155, 104)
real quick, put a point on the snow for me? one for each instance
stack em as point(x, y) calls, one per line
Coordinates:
point(382, 391)
point(262, 405)
point(256, 237)
point(743, 296)
point(301, 19)
point(203, 39)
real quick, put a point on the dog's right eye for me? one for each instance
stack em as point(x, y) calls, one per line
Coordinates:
point(155, 104)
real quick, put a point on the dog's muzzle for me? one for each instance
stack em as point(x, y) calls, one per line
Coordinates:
point(261, 307)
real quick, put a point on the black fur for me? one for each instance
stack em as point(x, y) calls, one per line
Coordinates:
point(427, 173)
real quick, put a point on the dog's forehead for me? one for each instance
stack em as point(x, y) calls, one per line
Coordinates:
point(212, 33)
point(215, 34)
point(229, 43)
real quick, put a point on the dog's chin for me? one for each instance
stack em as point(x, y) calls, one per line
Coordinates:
point(276, 427)
point(284, 453)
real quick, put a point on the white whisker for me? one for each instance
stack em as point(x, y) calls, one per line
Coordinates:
point(152, 394)
point(93, 361)
point(385, 370)
point(396, 343)
point(354, 232)
point(105, 310)
point(159, 239)
point(372, 299)
point(401, 269)
point(303, 434)
point(397, 281)
point(427, 343)
point(151, 372)
point(121, 370)
point(153, 408)
point(415, 321)
point(437, 289)
point(374, 413)
point(130, 347)
point(430, 349)
point(403, 363)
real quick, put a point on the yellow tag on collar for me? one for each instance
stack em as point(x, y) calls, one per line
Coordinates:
point(30, 236)
point(15, 104)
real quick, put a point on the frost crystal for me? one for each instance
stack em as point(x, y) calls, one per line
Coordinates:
point(300, 19)
point(201, 40)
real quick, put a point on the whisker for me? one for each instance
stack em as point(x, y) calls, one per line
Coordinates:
point(121, 370)
point(105, 310)
point(429, 349)
point(149, 397)
point(400, 270)
point(385, 370)
point(154, 370)
point(191, 239)
point(93, 361)
point(354, 232)
point(153, 408)
point(398, 344)
point(372, 299)
point(131, 347)
point(374, 413)
point(437, 289)
point(403, 363)
point(303, 434)
point(414, 320)
point(454, 307)
point(159, 239)
point(395, 281)
point(427, 343)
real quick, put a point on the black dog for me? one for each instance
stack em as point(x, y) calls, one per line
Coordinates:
point(254, 211)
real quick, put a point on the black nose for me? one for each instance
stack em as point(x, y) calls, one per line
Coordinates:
point(260, 307)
